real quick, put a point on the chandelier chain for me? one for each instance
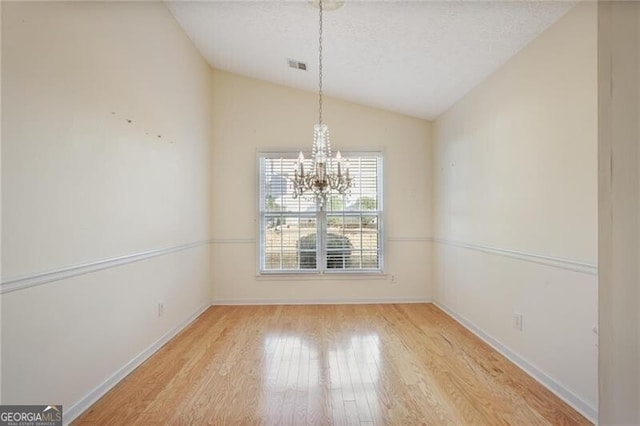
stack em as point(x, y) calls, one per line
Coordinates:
point(322, 179)
point(320, 64)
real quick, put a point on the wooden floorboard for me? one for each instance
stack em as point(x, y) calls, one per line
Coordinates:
point(404, 364)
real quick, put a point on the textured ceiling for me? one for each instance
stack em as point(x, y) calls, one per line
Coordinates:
point(412, 57)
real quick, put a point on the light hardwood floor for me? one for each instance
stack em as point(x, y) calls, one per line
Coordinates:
point(405, 364)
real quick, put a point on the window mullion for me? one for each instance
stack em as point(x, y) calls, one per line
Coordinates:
point(321, 241)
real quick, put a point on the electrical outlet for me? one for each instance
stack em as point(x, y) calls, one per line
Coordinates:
point(517, 321)
point(393, 279)
point(160, 309)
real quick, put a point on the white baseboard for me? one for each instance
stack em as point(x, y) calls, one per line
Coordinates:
point(587, 410)
point(341, 301)
point(86, 402)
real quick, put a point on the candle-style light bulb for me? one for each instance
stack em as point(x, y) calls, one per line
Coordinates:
point(339, 160)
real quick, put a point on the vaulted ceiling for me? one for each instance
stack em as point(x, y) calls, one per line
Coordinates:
point(413, 57)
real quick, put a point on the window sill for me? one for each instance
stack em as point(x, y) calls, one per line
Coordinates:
point(317, 276)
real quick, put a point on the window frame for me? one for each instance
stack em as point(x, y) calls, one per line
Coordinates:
point(320, 215)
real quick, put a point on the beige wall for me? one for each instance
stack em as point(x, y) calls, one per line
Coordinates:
point(81, 184)
point(515, 196)
point(619, 204)
point(250, 115)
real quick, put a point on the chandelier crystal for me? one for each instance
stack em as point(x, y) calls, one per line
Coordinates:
point(327, 173)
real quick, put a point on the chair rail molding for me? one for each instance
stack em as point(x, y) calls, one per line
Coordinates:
point(556, 262)
point(20, 283)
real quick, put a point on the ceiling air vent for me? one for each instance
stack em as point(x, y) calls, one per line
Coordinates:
point(297, 65)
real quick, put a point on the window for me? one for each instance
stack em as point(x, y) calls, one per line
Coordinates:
point(296, 235)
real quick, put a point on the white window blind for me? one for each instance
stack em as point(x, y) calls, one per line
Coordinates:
point(296, 235)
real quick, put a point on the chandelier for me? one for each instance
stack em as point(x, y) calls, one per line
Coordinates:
point(327, 174)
